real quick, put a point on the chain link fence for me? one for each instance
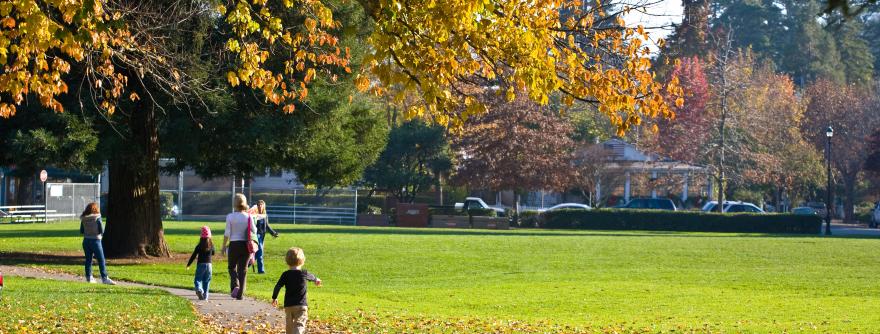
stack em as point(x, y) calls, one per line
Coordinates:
point(68, 200)
point(185, 197)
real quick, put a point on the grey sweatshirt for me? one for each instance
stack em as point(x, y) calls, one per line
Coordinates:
point(90, 226)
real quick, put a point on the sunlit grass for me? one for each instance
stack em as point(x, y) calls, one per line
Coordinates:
point(47, 306)
point(652, 280)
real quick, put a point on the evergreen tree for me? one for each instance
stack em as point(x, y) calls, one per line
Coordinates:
point(690, 38)
point(872, 33)
point(753, 24)
point(809, 51)
point(855, 54)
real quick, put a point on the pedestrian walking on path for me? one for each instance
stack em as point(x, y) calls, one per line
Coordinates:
point(92, 230)
point(204, 269)
point(240, 236)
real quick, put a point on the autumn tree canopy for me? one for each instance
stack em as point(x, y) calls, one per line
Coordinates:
point(136, 62)
point(517, 145)
point(851, 111)
point(581, 49)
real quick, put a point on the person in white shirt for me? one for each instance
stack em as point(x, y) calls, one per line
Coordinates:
point(236, 236)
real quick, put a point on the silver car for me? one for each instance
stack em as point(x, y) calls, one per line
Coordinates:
point(566, 206)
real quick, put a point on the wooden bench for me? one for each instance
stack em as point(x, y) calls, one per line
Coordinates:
point(30, 214)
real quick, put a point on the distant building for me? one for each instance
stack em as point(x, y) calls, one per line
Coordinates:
point(634, 173)
point(622, 172)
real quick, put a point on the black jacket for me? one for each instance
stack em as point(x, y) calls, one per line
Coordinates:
point(263, 227)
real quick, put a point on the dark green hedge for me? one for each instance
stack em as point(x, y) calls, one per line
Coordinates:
point(447, 210)
point(528, 218)
point(695, 221)
point(482, 213)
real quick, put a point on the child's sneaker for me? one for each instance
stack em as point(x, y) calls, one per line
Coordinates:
point(91, 280)
point(234, 293)
point(200, 295)
point(108, 281)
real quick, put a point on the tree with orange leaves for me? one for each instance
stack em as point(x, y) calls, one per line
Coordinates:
point(126, 56)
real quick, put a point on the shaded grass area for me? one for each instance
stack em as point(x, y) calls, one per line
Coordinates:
point(651, 281)
point(46, 306)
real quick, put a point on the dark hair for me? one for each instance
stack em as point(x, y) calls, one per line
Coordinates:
point(206, 244)
point(91, 209)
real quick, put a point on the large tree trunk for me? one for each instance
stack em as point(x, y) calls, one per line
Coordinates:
point(134, 221)
point(24, 190)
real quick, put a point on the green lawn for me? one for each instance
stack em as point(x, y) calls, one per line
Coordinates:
point(639, 281)
point(46, 306)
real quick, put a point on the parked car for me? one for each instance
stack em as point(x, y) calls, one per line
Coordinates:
point(818, 206)
point(649, 203)
point(566, 206)
point(477, 203)
point(875, 215)
point(732, 207)
point(804, 210)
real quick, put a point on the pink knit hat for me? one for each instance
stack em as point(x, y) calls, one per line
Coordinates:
point(206, 232)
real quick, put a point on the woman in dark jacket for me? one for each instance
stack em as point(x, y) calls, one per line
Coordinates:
point(262, 228)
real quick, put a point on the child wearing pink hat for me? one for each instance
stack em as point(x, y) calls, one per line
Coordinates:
point(204, 250)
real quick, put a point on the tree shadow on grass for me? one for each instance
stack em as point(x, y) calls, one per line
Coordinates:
point(285, 228)
point(78, 258)
point(39, 233)
point(17, 258)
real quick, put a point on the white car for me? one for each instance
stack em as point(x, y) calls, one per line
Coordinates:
point(477, 203)
point(566, 206)
point(732, 207)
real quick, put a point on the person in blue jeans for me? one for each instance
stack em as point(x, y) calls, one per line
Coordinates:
point(259, 213)
point(92, 230)
point(204, 251)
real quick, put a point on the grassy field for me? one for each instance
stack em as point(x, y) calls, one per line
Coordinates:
point(45, 306)
point(635, 281)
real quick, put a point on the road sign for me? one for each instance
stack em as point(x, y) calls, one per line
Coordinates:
point(44, 176)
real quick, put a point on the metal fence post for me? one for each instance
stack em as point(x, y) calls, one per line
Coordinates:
point(45, 202)
point(72, 197)
point(180, 195)
point(294, 205)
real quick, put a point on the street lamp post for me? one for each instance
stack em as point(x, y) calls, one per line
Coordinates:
point(829, 132)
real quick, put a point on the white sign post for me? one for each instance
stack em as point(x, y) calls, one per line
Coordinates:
point(43, 177)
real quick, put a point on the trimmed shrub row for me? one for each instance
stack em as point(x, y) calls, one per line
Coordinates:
point(693, 221)
point(482, 213)
point(445, 211)
point(529, 218)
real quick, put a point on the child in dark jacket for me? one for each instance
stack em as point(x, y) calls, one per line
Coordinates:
point(296, 310)
point(204, 250)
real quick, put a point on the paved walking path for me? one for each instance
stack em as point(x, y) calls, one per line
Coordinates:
point(220, 311)
point(840, 229)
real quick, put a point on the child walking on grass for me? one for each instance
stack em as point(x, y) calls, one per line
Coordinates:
point(296, 310)
point(204, 250)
